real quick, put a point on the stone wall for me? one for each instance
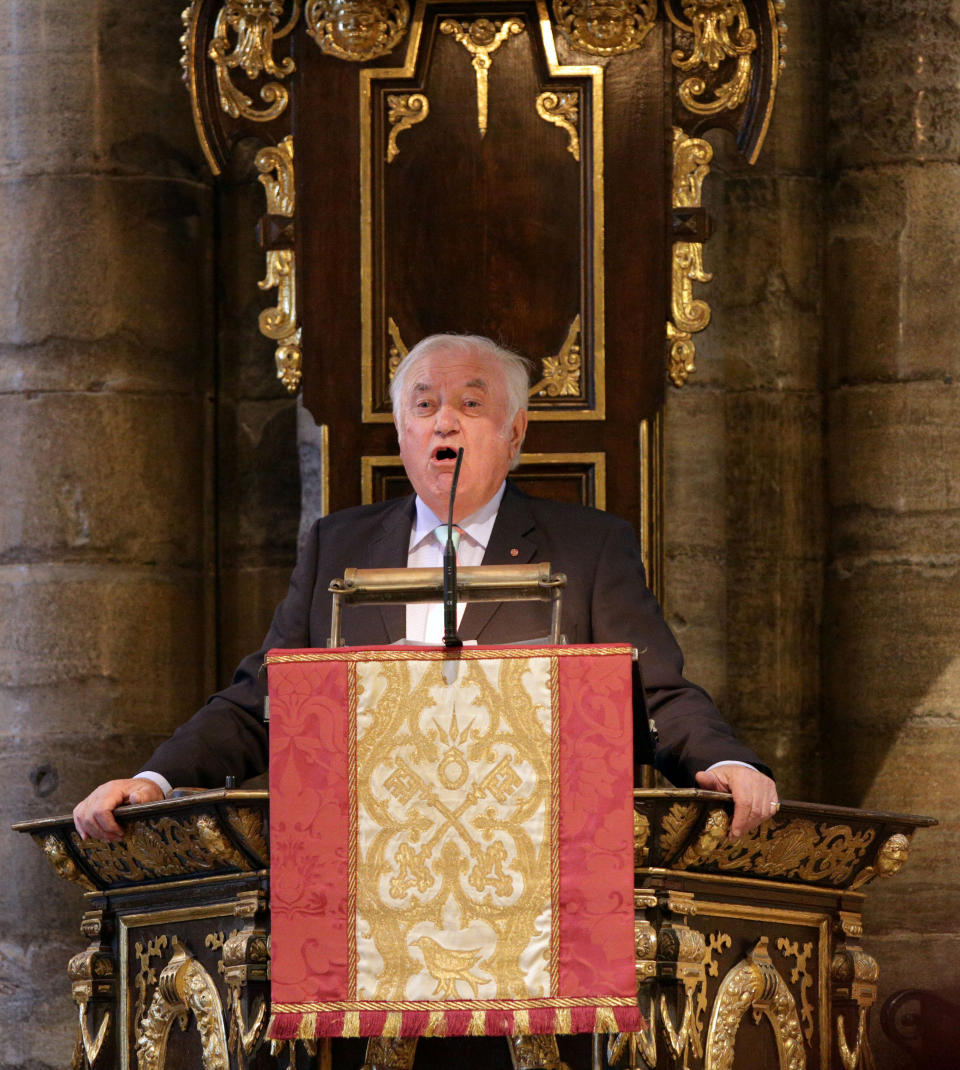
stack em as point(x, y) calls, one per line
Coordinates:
point(813, 462)
point(891, 710)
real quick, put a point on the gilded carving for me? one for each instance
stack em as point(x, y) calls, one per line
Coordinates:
point(92, 979)
point(691, 165)
point(627, 1049)
point(716, 943)
point(534, 1052)
point(605, 27)
point(183, 988)
point(244, 35)
point(279, 323)
point(710, 841)
point(800, 973)
point(481, 38)
point(563, 110)
point(146, 976)
point(721, 31)
point(890, 859)
point(790, 847)
point(754, 983)
point(641, 836)
point(251, 827)
point(675, 827)
point(162, 847)
point(561, 374)
point(403, 111)
point(59, 857)
point(397, 349)
point(357, 30)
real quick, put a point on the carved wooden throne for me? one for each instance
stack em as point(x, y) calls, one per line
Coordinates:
point(525, 170)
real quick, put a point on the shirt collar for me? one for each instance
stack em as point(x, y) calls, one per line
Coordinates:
point(477, 526)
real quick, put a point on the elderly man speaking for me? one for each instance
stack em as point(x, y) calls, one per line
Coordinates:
point(452, 391)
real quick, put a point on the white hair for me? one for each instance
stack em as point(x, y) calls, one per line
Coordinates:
point(515, 369)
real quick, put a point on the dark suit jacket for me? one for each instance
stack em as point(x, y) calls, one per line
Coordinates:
point(606, 600)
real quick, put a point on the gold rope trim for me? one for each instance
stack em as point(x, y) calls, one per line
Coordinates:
point(555, 825)
point(546, 1002)
point(462, 654)
point(352, 861)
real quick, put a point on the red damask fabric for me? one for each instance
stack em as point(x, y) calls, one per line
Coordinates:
point(330, 976)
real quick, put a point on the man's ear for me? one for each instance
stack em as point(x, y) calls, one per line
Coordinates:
point(517, 430)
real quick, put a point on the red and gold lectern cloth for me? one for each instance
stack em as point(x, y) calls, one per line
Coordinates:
point(451, 841)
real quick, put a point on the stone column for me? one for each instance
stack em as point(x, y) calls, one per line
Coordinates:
point(891, 726)
point(744, 517)
point(105, 358)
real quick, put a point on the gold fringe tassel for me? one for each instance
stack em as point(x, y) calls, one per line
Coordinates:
point(521, 1023)
point(562, 1023)
point(478, 1024)
point(351, 1024)
point(605, 1021)
point(307, 1028)
point(437, 1026)
point(391, 1027)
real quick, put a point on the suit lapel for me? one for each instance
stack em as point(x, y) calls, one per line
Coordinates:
point(513, 541)
point(388, 549)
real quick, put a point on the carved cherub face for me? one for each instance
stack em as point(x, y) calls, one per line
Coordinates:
point(601, 25)
point(358, 28)
point(893, 854)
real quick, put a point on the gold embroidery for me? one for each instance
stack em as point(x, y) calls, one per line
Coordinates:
point(455, 801)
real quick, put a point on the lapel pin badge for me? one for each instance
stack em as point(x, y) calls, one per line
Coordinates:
point(514, 552)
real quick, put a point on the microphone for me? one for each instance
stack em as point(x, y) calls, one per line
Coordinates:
point(450, 637)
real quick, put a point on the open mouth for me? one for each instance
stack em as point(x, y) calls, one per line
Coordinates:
point(444, 453)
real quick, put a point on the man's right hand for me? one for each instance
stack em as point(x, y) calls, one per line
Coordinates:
point(94, 816)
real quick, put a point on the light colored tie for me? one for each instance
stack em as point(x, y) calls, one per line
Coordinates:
point(440, 533)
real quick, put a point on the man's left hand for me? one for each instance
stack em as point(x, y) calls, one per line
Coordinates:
point(754, 795)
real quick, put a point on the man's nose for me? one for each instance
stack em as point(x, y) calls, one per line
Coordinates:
point(447, 420)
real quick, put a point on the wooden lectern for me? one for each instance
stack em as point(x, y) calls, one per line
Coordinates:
point(748, 955)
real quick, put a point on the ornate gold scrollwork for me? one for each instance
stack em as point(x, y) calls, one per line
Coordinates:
point(791, 949)
point(397, 350)
point(605, 27)
point(162, 847)
point(754, 983)
point(691, 165)
point(721, 31)
point(58, 855)
point(716, 943)
point(627, 1049)
point(254, 23)
point(481, 38)
point(534, 1052)
point(563, 110)
point(854, 974)
point(245, 958)
point(92, 976)
point(681, 954)
point(561, 374)
point(280, 322)
point(641, 836)
point(184, 987)
point(403, 111)
point(713, 837)
point(890, 858)
point(357, 30)
point(675, 827)
point(250, 826)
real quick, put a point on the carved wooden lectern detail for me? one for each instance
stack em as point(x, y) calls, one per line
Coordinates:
point(748, 954)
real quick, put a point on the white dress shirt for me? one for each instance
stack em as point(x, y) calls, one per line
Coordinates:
point(425, 619)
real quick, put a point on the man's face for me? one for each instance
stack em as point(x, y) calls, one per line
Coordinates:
point(449, 401)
